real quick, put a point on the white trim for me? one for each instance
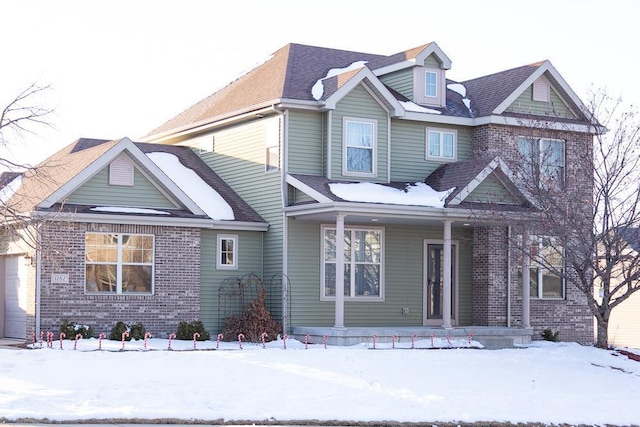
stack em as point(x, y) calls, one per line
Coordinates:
point(432, 48)
point(296, 183)
point(374, 147)
point(350, 297)
point(329, 142)
point(234, 253)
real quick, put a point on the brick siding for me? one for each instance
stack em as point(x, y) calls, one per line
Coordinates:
point(176, 293)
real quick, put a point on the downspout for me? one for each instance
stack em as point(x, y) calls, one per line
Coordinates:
point(509, 276)
point(38, 281)
point(285, 201)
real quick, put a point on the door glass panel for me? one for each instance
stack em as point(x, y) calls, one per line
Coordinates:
point(435, 280)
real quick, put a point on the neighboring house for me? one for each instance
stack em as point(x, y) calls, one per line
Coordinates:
point(380, 180)
point(624, 322)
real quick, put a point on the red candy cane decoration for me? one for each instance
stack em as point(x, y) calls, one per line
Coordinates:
point(449, 340)
point(146, 336)
point(374, 341)
point(102, 335)
point(124, 334)
point(171, 336)
point(470, 335)
point(393, 341)
point(196, 335)
point(324, 341)
point(432, 336)
point(220, 336)
point(413, 340)
point(41, 337)
point(263, 337)
point(284, 340)
point(62, 337)
point(306, 342)
point(78, 337)
point(240, 337)
point(33, 339)
point(49, 339)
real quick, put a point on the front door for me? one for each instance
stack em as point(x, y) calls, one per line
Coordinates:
point(433, 294)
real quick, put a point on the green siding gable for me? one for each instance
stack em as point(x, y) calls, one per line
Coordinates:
point(400, 81)
point(306, 145)
point(432, 61)
point(359, 104)
point(526, 105)
point(98, 191)
point(491, 190)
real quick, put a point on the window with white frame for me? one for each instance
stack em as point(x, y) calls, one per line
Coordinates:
point(359, 147)
point(227, 250)
point(119, 263)
point(272, 146)
point(542, 160)
point(363, 263)
point(546, 269)
point(441, 144)
point(431, 84)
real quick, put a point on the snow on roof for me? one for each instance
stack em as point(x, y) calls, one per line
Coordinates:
point(207, 198)
point(462, 91)
point(412, 106)
point(318, 88)
point(122, 209)
point(417, 194)
point(10, 189)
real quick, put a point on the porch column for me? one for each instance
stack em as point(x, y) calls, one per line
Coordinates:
point(446, 276)
point(526, 262)
point(339, 314)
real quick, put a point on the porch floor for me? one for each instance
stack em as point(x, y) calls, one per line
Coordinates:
point(491, 337)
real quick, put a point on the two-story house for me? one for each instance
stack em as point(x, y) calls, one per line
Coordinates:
point(380, 195)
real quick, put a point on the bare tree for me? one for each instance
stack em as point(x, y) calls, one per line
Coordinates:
point(594, 232)
point(24, 115)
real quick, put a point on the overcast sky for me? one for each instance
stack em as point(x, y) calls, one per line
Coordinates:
point(121, 68)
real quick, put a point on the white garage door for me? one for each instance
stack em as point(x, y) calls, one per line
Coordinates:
point(15, 298)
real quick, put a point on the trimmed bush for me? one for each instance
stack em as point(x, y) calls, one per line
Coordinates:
point(71, 329)
point(136, 331)
point(186, 330)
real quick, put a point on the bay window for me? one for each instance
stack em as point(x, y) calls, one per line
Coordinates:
point(363, 254)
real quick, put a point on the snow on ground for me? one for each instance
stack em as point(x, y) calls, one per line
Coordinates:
point(544, 382)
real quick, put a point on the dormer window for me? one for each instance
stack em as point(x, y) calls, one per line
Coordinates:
point(429, 86)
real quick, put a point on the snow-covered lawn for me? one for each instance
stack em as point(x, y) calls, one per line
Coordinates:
point(544, 382)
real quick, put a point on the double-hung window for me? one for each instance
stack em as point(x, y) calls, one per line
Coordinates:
point(119, 263)
point(227, 252)
point(431, 84)
point(546, 268)
point(363, 263)
point(359, 147)
point(542, 161)
point(441, 145)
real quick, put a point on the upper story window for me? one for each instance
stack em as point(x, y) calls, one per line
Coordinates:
point(430, 84)
point(121, 171)
point(227, 250)
point(359, 141)
point(272, 146)
point(441, 145)
point(363, 257)
point(546, 269)
point(119, 263)
point(542, 161)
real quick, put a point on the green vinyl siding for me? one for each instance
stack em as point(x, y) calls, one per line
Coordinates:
point(305, 143)
point(298, 196)
point(403, 265)
point(491, 190)
point(98, 191)
point(238, 159)
point(432, 62)
point(526, 105)
point(249, 261)
point(400, 81)
point(359, 104)
point(408, 149)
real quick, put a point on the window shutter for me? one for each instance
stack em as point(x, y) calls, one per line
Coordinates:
point(121, 171)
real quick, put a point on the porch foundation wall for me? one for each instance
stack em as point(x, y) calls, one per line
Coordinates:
point(176, 295)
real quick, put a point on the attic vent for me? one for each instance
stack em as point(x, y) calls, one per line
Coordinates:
point(121, 171)
point(541, 90)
